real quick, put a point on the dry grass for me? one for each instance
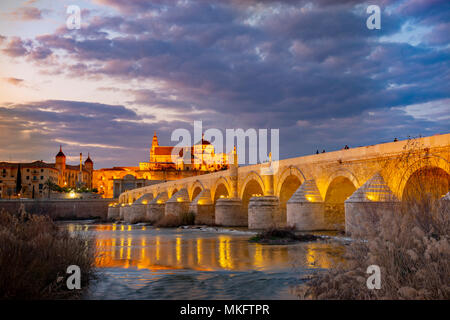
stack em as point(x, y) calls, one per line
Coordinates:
point(411, 247)
point(35, 254)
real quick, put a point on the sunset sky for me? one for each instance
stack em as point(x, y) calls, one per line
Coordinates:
point(309, 68)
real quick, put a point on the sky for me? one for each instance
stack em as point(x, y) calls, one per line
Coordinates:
point(311, 69)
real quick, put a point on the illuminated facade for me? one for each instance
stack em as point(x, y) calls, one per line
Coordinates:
point(34, 175)
point(166, 163)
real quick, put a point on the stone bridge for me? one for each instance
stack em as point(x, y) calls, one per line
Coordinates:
point(317, 192)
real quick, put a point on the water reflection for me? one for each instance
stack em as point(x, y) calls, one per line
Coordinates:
point(141, 247)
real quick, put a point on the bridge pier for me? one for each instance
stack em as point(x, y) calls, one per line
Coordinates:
point(156, 207)
point(264, 212)
point(113, 212)
point(139, 209)
point(364, 208)
point(229, 213)
point(121, 210)
point(178, 205)
point(305, 210)
point(203, 208)
point(127, 210)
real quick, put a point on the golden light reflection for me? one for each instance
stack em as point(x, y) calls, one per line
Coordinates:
point(158, 246)
point(225, 252)
point(222, 252)
point(199, 251)
point(178, 249)
point(258, 257)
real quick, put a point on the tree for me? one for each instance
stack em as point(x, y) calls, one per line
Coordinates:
point(49, 185)
point(18, 180)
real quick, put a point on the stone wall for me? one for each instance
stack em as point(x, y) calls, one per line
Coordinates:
point(61, 209)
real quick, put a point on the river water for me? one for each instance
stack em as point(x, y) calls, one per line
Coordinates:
point(143, 262)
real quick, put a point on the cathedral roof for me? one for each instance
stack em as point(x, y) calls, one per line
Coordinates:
point(161, 151)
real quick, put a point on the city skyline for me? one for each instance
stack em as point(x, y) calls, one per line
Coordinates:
point(313, 70)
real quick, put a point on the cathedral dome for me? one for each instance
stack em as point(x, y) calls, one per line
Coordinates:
point(60, 153)
point(88, 160)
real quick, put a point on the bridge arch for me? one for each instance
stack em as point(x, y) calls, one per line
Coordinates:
point(429, 175)
point(252, 176)
point(253, 184)
point(172, 190)
point(289, 172)
point(288, 182)
point(221, 188)
point(195, 189)
point(341, 185)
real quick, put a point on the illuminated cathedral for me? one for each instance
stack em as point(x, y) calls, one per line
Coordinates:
point(165, 163)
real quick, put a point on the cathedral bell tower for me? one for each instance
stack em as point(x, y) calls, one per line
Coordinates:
point(154, 145)
point(60, 164)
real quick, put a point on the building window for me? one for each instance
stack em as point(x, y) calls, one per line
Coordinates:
point(42, 170)
point(42, 177)
point(28, 177)
point(41, 186)
point(28, 170)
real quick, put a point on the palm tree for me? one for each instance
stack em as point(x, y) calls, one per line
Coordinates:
point(49, 185)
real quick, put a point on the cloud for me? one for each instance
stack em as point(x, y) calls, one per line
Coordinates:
point(16, 47)
point(27, 13)
point(14, 81)
point(312, 69)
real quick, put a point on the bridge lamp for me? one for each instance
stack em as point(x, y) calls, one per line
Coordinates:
point(72, 194)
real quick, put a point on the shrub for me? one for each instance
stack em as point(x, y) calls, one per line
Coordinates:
point(285, 234)
point(35, 254)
